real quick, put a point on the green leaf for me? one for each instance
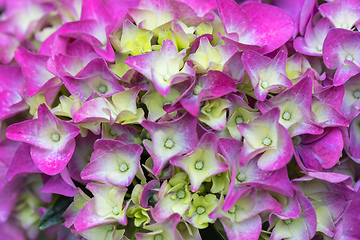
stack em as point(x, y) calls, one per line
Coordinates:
point(54, 213)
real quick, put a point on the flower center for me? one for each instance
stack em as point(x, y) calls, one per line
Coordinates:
point(349, 57)
point(241, 177)
point(197, 90)
point(180, 194)
point(344, 25)
point(55, 137)
point(287, 221)
point(169, 143)
point(158, 237)
point(102, 89)
point(116, 211)
point(319, 47)
point(239, 119)
point(232, 209)
point(167, 77)
point(200, 210)
point(124, 167)
point(356, 94)
point(286, 116)
point(264, 84)
point(267, 141)
point(199, 165)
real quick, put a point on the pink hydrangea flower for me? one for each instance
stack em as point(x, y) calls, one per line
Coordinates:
point(52, 140)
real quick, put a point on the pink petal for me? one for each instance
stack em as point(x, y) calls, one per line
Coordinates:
point(52, 162)
point(256, 24)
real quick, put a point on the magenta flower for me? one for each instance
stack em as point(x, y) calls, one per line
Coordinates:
point(8, 44)
point(341, 52)
point(21, 162)
point(93, 27)
point(300, 11)
point(163, 68)
point(342, 14)
point(312, 43)
point(113, 162)
point(239, 112)
point(208, 57)
point(107, 206)
point(350, 104)
point(212, 85)
point(242, 220)
point(319, 151)
point(22, 17)
point(266, 135)
point(255, 25)
point(11, 102)
point(237, 118)
point(246, 175)
point(354, 139)
point(201, 163)
point(151, 15)
point(297, 219)
point(165, 229)
point(326, 105)
point(266, 75)
point(173, 197)
point(295, 106)
point(33, 66)
point(52, 140)
point(95, 77)
point(121, 109)
point(169, 139)
point(200, 7)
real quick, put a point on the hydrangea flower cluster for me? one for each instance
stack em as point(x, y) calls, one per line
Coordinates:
point(180, 119)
